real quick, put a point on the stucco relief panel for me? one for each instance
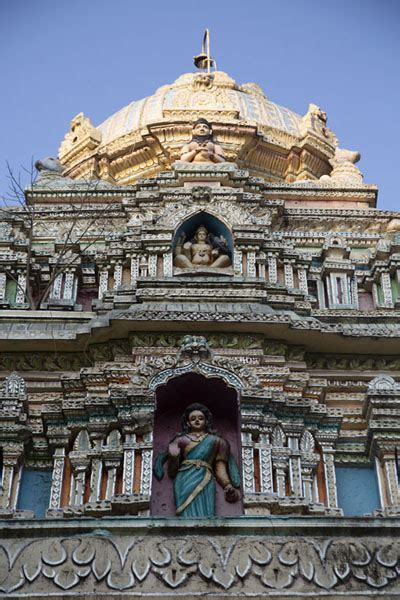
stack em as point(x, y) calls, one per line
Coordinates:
point(244, 564)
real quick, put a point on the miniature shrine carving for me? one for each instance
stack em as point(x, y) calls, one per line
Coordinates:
point(204, 250)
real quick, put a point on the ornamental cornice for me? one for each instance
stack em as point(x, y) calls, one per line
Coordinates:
point(320, 236)
point(318, 192)
point(317, 556)
point(322, 187)
point(347, 329)
point(18, 327)
point(379, 314)
point(362, 213)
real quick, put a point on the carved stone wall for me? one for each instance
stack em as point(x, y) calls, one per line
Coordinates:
point(288, 558)
point(302, 327)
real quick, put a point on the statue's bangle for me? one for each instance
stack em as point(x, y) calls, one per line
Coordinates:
point(226, 483)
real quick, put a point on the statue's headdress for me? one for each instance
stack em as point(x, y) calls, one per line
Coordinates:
point(201, 228)
point(203, 138)
point(202, 120)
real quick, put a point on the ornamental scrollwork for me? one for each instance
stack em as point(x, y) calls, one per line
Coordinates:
point(199, 563)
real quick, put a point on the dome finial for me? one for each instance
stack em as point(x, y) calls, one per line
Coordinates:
point(204, 59)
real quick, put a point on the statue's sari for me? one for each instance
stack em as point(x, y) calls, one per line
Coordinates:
point(194, 484)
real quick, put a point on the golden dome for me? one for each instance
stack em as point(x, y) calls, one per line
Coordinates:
point(245, 103)
point(147, 135)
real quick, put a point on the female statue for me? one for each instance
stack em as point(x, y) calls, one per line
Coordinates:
point(197, 456)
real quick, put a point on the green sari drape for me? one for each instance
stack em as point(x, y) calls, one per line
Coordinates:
point(194, 484)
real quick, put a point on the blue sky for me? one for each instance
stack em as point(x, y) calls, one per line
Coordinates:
point(60, 58)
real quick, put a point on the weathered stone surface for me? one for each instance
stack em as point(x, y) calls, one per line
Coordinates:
point(291, 341)
point(281, 558)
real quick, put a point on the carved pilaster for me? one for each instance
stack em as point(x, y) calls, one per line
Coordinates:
point(167, 264)
point(354, 291)
point(80, 464)
point(143, 266)
point(129, 464)
point(153, 265)
point(307, 479)
point(11, 476)
point(57, 285)
point(328, 457)
point(57, 478)
point(338, 290)
point(265, 453)
point(321, 293)
point(272, 269)
point(392, 484)
point(21, 289)
point(3, 283)
point(261, 261)
point(248, 463)
point(103, 282)
point(117, 276)
point(134, 269)
point(69, 286)
point(111, 479)
point(295, 467)
point(386, 290)
point(238, 262)
point(280, 473)
point(292, 166)
point(78, 488)
point(375, 295)
point(303, 283)
point(251, 263)
point(146, 472)
point(288, 271)
point(280, 462)
point(309, 460)
point(95, 475)
point(7, 483)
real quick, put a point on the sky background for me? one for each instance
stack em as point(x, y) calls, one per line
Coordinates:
point(95, 56)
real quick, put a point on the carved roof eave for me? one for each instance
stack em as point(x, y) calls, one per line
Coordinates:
point(66, 190)
point(316, 190)
point(154, 148)
point(63, 189)
point(318, 143)
point(273, 191)
point(80, 151)
point(331, 331)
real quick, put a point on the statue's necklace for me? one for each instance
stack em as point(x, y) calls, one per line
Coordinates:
point(195, 438)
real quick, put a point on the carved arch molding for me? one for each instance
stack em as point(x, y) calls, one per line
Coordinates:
point(208, 370)
point(233, 214)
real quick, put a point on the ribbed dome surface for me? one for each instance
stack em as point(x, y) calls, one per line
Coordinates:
point(247, 103)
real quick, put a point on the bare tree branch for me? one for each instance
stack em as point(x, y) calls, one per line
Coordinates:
point(19, 210)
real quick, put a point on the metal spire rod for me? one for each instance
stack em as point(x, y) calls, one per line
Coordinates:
point(204, 59)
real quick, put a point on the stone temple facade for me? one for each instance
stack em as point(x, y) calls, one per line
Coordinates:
point(262, 282)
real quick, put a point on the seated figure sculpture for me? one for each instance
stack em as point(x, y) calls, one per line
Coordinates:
point(204, 250)
point(202, 148)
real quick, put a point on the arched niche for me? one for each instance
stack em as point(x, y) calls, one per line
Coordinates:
point(219, 236)
point(171, 400)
